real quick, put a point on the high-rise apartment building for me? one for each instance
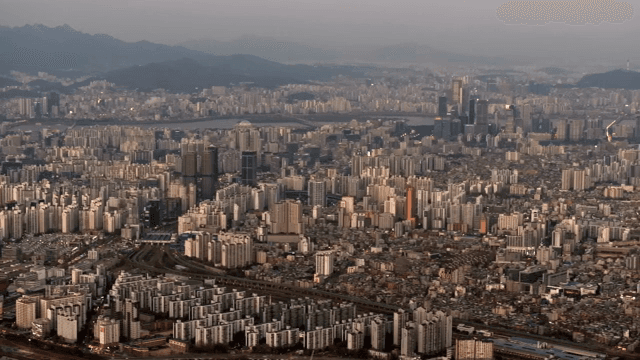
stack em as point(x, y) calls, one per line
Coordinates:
point(246, 137)
point(378, 333)
point(130, 323)
point(107, 331)
point(472, 349)
point(409, 339)
point(324, 263)
point(567, 179)
point(576, 130)
point(286, 218)
point(317, 193)
point(67, 326)
point(25, 312)
point(435, 333)
point(400, 319)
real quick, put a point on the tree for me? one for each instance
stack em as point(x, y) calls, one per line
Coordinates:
point(239, 339)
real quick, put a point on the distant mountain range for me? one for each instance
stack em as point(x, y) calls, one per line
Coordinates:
point(38, 47)
point(290, 52)
point(616, 79)
point(146, 66)
point(266, 48)
point(64, 51)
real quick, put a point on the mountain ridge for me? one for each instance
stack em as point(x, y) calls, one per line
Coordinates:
point(38, 47)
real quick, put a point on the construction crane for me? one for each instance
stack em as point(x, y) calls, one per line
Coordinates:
point(609, 136)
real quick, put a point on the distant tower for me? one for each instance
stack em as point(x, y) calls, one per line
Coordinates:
point(627, 64)
point(456, 91)
point(249, 167)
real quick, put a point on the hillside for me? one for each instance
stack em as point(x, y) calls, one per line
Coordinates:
point(616, 79)
point(185, 75)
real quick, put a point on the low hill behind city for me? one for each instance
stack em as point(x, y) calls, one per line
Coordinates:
point(616, 79)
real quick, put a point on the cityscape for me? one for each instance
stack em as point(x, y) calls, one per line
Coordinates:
point(198, 206)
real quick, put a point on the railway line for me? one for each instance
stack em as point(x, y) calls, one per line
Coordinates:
point(158, 259)
point(508, 333)
point(201, 272)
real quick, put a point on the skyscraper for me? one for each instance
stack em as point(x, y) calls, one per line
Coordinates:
point(411, 195)
point(53, 100)
point(510, 126)
point(482, 117)
point(472, 111)
point(249, 168)
point(209, 172)
point(482, 112)
point(442, 106)
point(442, 128)
point(527, 124)
point(189, 166)
point(456, 91)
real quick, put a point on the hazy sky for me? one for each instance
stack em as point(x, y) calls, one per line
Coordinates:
point(467, 26)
